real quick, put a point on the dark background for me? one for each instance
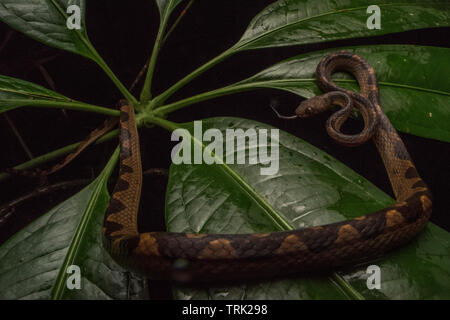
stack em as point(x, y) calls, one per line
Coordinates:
point(124, 34)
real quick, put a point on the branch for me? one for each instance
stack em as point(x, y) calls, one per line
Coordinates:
point(8, 209)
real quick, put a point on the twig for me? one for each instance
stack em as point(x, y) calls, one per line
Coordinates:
point(18, 136)
point(10, 122)
point(46, 75)
point(6, 40)
point(144, 68)
point(158, 172)
point(8, 209)
point(57, 153)
point(139, 76)
point(174, 25)
point(51, 83)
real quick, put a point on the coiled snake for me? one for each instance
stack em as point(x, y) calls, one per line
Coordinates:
point(217, 257)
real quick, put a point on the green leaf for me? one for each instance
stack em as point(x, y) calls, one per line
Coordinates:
point(310, 189)
point(293, 22)
point(420, 270)
point(15, 93)
point(414, 94)
point(34, 261)
point(413, 91)
point(46, 22)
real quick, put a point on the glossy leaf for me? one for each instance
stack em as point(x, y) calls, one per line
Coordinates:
point(46, 22)
point(15, 92)
point(418, 271)
point(33, 263)
point(311, 188)
point(293, 22)
point(413, 91)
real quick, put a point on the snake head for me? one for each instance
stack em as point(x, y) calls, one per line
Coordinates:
point(312, 106)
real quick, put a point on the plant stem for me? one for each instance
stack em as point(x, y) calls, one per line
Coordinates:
point(72, 105)
point(168, 125)
point(57, 153)
point(67, 149)
point(159, 100)
point(169, 108)
point(111, 75)
point(8, 209)
point(175, 24)
point(146, 93)
point(346, 287)
point(139, 76)
point(18, 136)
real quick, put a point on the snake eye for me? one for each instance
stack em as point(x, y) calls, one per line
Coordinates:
point(309, 110)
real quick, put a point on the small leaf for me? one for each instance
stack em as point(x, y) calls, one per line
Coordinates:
point(293, 22)
point(413, 93)
point(33, 263)
point(46, 21)
point(15, 92)
point(311, 188)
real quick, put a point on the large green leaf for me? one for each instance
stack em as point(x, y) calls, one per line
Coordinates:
point(294, 22)
point(310, 189)
point(46, 21)
point(291, 22)
point(17, 93)
point(414, 93)
point(33, 263)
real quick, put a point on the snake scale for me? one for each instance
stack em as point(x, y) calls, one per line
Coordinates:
point(218, 257)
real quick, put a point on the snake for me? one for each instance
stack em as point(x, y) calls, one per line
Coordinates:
point(191, 257)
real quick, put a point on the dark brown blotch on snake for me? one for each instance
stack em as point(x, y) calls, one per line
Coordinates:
point(219, 257)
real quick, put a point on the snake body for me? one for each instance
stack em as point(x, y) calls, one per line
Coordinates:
point(218, 257)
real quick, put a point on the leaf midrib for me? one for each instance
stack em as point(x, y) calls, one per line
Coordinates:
point(279, 220)
point(242, 45)
point(313, 81)
point(80, 232)
point(31, 94)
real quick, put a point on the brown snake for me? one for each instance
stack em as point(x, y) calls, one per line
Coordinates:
point(218, 257)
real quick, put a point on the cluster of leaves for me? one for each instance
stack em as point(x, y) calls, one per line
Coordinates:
point(311, 187)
